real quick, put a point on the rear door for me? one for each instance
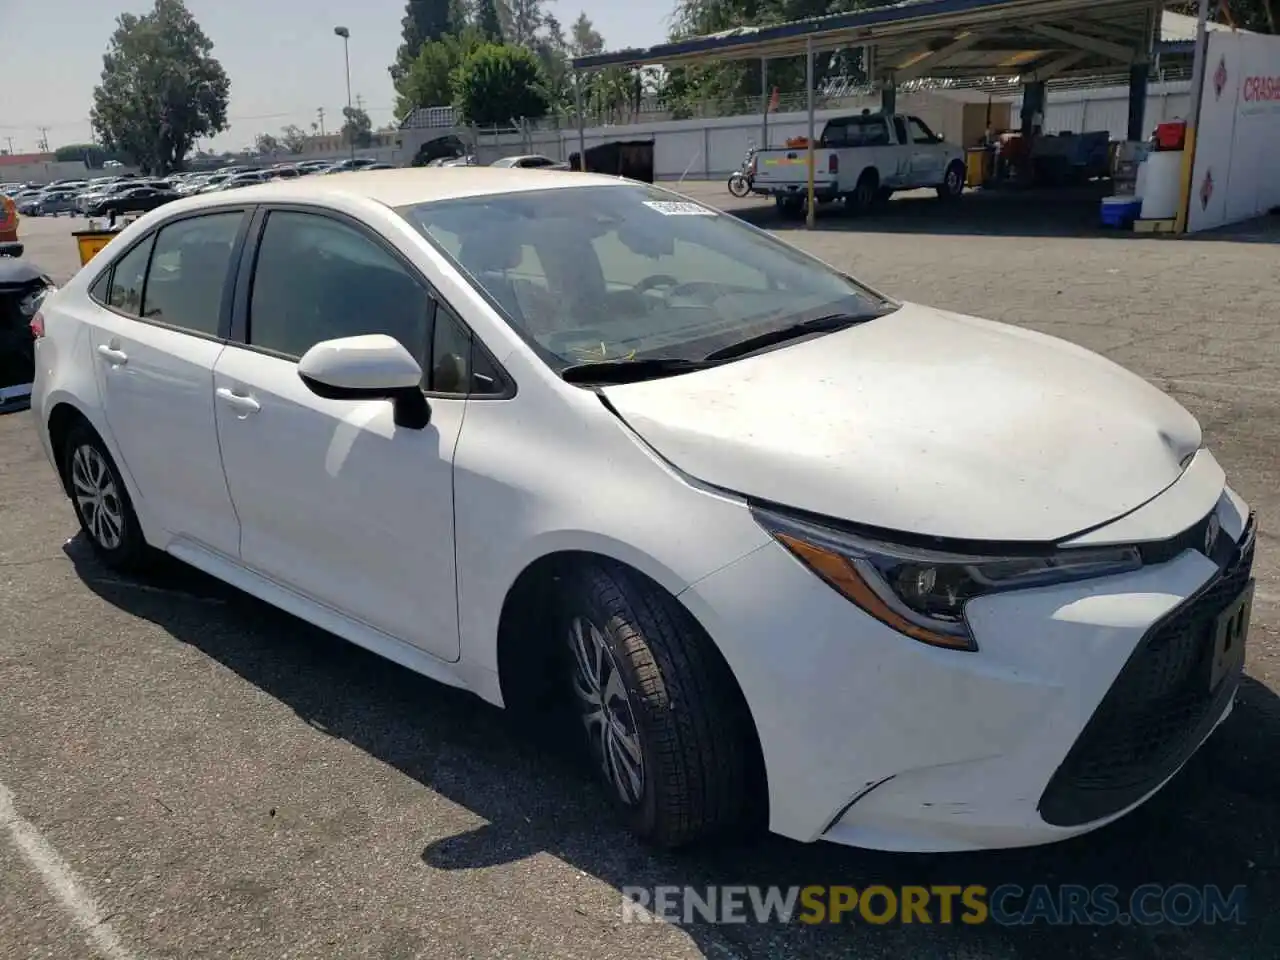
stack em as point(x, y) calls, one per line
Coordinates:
point(156, 335)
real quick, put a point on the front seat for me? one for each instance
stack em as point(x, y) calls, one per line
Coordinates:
point(487, 257)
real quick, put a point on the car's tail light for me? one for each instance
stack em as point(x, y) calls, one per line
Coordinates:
point(37, 326)
point(833, 164)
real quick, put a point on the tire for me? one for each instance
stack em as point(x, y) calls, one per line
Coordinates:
point(101, 501)
point(790, 208)
point(659, 712)
point(739, 186)
point(952, 185)
point(864, 195)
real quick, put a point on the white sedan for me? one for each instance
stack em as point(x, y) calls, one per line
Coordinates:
point(793, 552)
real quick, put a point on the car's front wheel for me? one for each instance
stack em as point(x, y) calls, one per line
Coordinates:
point(666, 730)
point(101, 501)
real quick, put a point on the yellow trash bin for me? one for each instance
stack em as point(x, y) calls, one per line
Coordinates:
point(977, 164)
point(91, 242)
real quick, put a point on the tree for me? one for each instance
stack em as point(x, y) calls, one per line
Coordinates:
point(74, 152)
point(553, 51)
point(488, 22)
point(161, 88)
point(584, 38)
point(357, 128)
point(266, 144)
point(1256, 15)
point(429, 82)
point(524, 18)
point(424, 21)
point(293, 138)
point(498, 84)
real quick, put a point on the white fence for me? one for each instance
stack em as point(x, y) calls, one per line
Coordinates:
point(714, 147)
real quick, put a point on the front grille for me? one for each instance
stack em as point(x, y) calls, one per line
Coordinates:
point(1157, 711)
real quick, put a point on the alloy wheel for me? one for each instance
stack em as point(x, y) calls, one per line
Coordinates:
point(604, 707)
point(97, 497)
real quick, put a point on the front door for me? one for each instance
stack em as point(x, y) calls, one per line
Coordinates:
point(155, 343)
point(927, 154)
point(335, 501)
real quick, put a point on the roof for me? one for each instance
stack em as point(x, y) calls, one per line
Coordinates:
point(938, 38)
point(397, 188)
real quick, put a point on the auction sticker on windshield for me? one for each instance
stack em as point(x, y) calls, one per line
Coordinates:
point(676, 208)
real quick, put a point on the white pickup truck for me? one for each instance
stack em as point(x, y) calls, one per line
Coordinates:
point(861, 159)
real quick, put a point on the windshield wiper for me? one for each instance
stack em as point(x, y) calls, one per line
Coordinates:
point(825, 324)
point(631, 371)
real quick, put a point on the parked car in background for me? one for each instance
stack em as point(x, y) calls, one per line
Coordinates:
point(23, 288)
point(238, 180)
point(91, 198)
point(533, 161)
point(306, 167)
point(53, 202)
point(875, 572)
point(352, 163)
point(133, 200)
point(860, 159)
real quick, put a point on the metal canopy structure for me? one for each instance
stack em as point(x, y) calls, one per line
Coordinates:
point(1035, 39)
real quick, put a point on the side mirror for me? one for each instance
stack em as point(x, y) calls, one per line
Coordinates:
point(370, 367)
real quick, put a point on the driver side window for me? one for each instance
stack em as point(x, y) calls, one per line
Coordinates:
point(920, 133)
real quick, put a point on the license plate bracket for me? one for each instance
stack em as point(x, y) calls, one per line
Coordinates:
point(1230, 629)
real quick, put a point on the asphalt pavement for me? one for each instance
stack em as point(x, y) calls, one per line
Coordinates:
point(187, 773)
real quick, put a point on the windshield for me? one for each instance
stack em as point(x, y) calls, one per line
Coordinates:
point(632, 272)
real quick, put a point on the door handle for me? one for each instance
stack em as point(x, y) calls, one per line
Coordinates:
point(239, 401)
point(117, 358)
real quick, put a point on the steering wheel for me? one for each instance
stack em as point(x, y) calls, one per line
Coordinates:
point(655, 281)
point(702, 289)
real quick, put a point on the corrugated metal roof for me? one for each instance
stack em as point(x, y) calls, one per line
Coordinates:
point(903, 27)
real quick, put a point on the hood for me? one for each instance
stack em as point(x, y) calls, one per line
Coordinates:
point(924, 422)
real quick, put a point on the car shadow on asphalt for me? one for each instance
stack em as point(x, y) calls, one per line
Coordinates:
point(1217, 823)
point(1007, 212)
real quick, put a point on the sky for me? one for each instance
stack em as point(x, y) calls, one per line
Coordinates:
point(282, 56)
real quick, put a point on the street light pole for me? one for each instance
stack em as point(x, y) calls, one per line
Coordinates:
point(345, 34)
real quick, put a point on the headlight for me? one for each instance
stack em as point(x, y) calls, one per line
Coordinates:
point(921, 592)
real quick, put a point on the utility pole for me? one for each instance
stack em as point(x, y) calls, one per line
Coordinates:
point(43, 144)
point(320, 116)
point(360, 103)
point(10, 139)
point(345, 34)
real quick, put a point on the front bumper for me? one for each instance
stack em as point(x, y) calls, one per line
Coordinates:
point(1076, 708)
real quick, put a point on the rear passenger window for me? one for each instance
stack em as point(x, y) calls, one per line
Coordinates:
point(101, 289)
point(128, 278)
point(188, 271)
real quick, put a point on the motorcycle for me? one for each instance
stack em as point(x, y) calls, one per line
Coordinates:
point(742, 179)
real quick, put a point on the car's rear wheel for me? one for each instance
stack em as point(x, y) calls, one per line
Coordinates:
point(101, 501)
point(865, 194)
point(662, 721)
